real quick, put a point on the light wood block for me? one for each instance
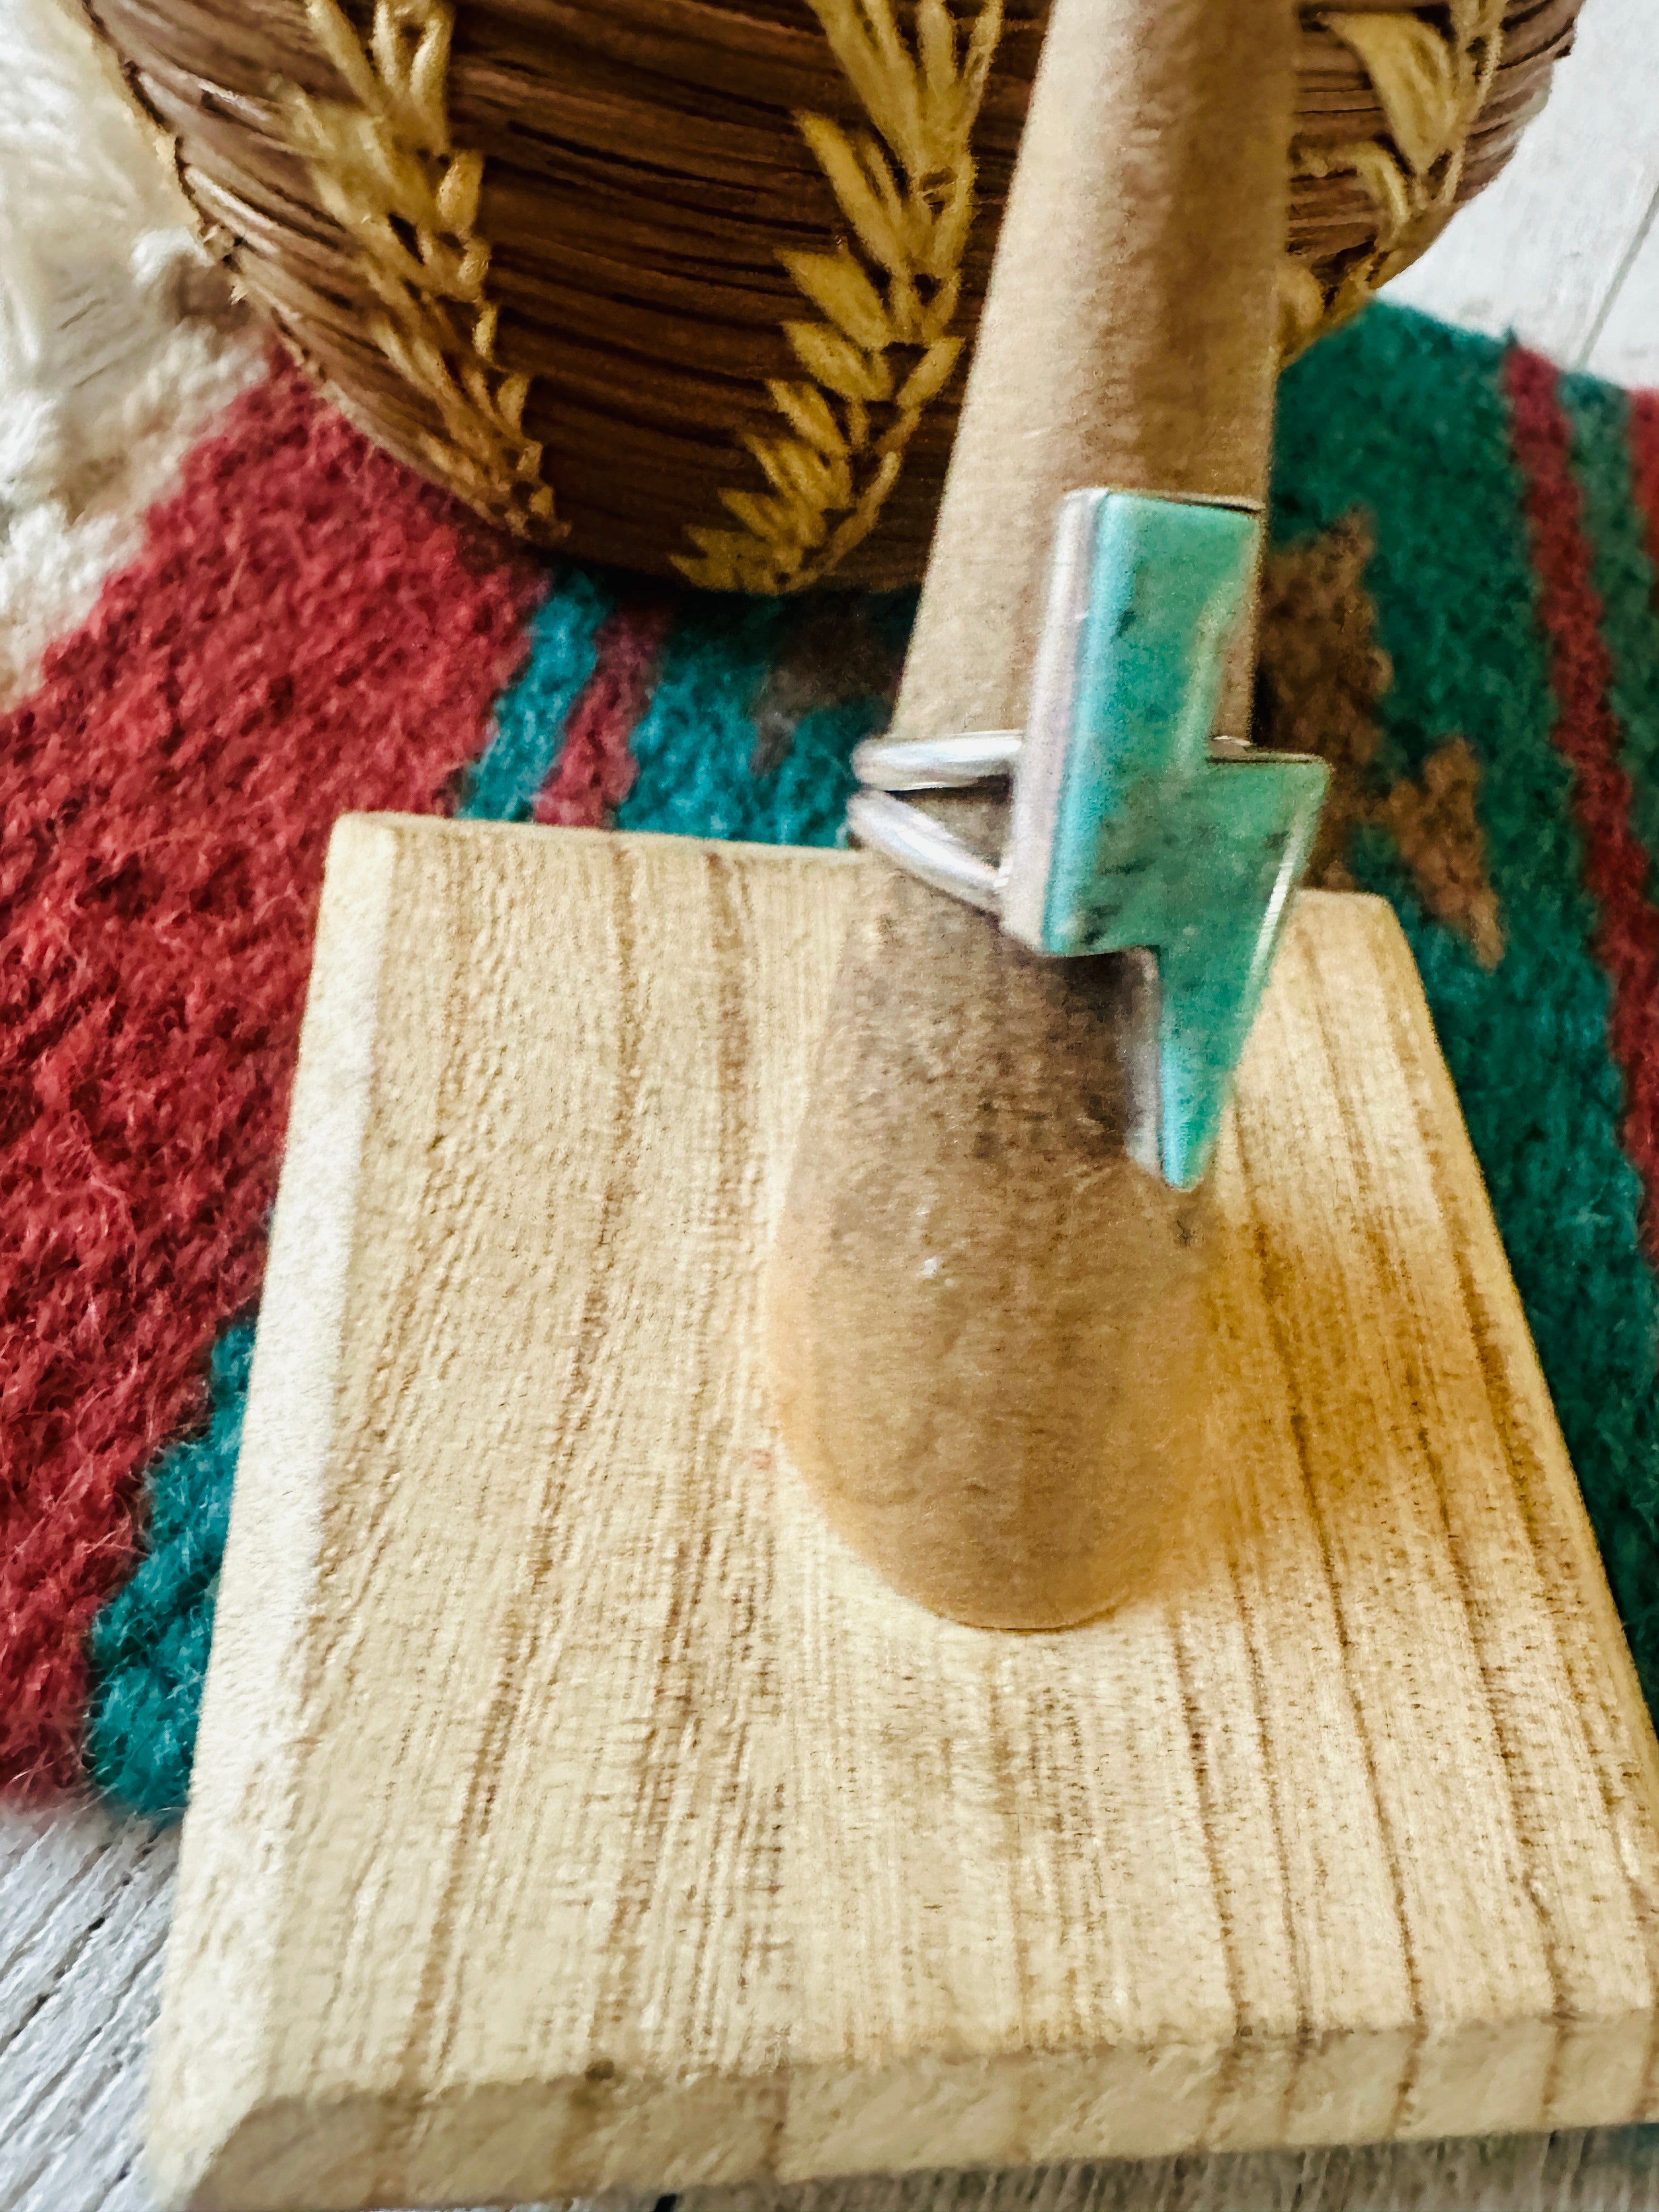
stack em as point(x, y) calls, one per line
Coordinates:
point(573, 1811)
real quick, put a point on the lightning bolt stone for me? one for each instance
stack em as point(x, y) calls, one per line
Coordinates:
point(1155, 841)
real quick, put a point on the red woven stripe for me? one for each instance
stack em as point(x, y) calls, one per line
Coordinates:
point(307, 630)
point(1645, 456)
point(595, 770)
point(1587, 731)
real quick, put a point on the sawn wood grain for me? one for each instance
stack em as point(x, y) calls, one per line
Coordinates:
point(573, 1811)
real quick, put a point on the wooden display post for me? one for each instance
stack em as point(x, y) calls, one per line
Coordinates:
point(573, 1810)
point(984, 1336)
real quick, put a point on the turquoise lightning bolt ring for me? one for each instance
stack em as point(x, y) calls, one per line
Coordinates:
point(1130, 827)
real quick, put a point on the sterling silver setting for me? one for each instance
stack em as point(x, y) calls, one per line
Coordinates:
point(1131, 827)
point(878, 819)
point(1033, 760)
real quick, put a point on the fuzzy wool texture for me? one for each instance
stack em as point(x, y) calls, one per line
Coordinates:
point(307, 630)
point(147, 1649)
point(119, 341)
point(595, 768)
point(703, 768)
point(529, 722)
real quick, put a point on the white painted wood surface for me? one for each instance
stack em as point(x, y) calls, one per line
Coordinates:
point(1626, 348)
point(83, 1916)
point(1561, 249)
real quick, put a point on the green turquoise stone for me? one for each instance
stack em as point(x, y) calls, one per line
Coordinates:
point(1154, 844)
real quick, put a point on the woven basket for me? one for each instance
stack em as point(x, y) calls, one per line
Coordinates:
point(683, 284)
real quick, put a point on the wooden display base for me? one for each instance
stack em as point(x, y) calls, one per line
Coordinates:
point(573, 1811)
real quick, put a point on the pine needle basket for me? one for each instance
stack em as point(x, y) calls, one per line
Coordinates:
point(685, 285)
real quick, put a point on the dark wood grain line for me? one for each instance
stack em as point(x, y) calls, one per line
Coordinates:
point(1247, 1639)
point(428, 2037)
point(678, 1713)
point(1407, 1343)
point(1267, 1271)
point(1232, 2059)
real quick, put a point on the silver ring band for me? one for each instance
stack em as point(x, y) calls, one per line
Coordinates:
point(913, 841)
point(924, 848)
point(950, 763)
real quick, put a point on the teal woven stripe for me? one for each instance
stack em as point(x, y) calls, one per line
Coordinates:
point(1409, 420)
point(530, 717)
point(696, 742)
point(147, 1647)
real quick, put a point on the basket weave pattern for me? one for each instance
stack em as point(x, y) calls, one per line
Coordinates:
point(683, 284)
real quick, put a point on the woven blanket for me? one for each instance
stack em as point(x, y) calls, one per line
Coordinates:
point(1461, 616)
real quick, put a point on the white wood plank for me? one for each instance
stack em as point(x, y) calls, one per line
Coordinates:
point(83, 1909)
point(1543, 252)
point(1626, 348)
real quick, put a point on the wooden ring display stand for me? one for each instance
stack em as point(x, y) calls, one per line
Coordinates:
point(574, 1810)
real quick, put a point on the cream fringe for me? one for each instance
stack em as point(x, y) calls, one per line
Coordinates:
point(119, 342)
